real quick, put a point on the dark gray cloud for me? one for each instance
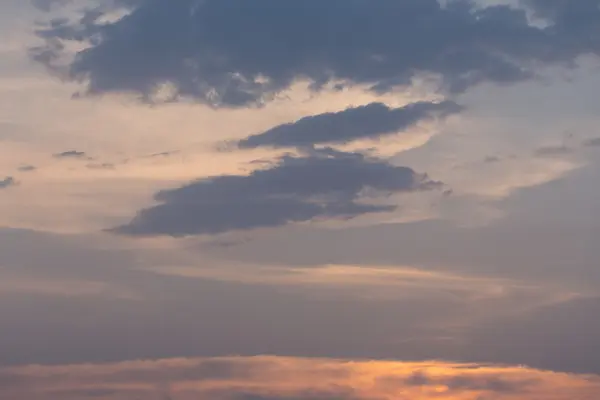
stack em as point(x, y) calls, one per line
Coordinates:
point(323, 184)
point(7, 182)
point(70, 154)
point(366, 122)
point(233, 53)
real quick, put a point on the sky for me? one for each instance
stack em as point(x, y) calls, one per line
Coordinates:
point(299, 199)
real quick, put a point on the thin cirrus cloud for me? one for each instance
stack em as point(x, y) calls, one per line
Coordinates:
point(372, 121)
point(324, 184)
point(196, 48)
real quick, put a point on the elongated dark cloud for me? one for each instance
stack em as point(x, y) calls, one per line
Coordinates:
point(7, 182)
point(322, 185)
point(238, 53)
point(70, 154)
point(27, 168)
point(366, 122)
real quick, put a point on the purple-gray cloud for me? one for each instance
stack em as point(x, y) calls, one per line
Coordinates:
point(325, 184)
point(371, 121)
point(231, 53)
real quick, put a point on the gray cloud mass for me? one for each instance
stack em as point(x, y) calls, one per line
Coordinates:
point(593, 142)
point(365, 122)
point(323, 184)
point(232, 53)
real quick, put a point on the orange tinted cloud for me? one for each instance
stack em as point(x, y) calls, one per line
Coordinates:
point(280, 378)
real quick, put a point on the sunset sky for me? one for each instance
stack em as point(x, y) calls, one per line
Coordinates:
point(299, 199)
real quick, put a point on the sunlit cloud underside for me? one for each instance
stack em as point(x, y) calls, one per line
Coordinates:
point(290, 378)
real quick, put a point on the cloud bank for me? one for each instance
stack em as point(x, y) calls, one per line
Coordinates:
point(231, 53)
point(279, 378)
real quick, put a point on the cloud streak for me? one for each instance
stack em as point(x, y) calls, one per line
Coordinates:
point(372, 121)
point(70, 154)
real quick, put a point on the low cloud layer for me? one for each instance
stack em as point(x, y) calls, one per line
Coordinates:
point(322, 185)
point(196, 49)
point(371, 121)
point(279, 378)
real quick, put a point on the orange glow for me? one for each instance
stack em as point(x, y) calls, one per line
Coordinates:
point(290, 378)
